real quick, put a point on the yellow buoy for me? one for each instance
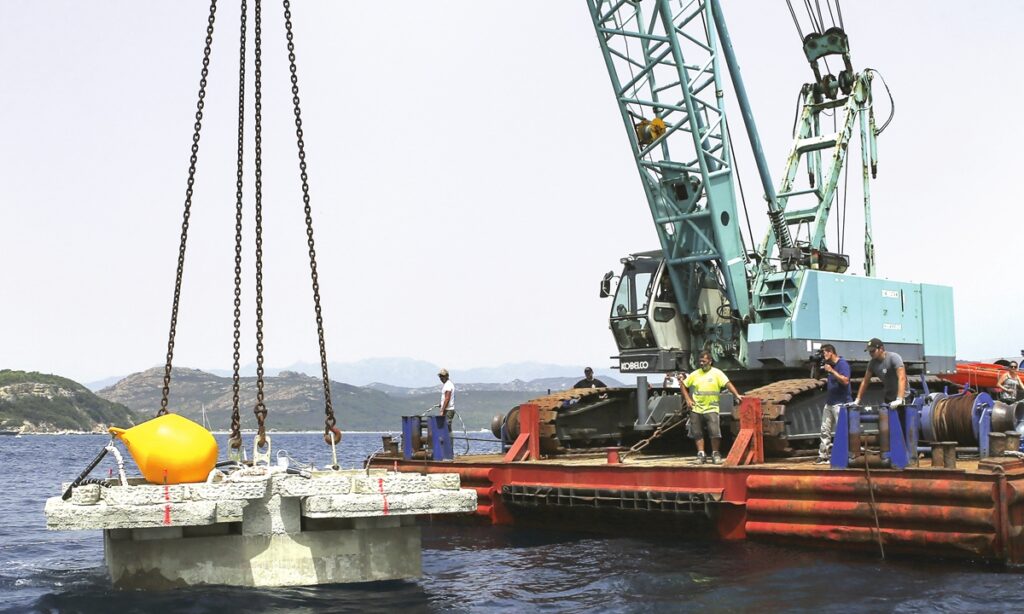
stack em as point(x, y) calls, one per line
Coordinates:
point(170, 449)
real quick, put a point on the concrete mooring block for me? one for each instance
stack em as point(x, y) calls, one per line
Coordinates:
point(271, 530)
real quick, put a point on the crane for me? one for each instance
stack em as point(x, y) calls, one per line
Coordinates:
point(760, 309)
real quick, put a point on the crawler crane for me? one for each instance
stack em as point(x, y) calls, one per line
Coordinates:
point(762, 310)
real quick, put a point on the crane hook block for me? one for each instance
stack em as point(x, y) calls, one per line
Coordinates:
point(649, 131)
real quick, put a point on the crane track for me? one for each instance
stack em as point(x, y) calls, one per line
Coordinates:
point(548, 406)
point(773, 396)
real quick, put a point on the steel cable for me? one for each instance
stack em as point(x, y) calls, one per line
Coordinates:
point(810, 14)
point(796, 22)
point(874, 507)
point(892, 101)
point(952, 419)
point(830, 15)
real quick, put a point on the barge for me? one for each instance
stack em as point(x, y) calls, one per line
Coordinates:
point(934, 506)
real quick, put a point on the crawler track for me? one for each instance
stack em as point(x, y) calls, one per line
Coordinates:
point(774, 398)
point(548, 406)
point(784, 433)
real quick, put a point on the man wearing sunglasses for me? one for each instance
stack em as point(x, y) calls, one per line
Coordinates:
point(887, 366)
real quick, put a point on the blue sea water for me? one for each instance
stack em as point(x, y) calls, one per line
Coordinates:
point(479, 569)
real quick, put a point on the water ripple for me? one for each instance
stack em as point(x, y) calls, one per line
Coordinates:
point(475, 569)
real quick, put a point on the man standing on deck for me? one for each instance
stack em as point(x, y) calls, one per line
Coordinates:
point(447, 397)
point(708, 383)
point(888, 366)
point(838, 393)
point(589, 381)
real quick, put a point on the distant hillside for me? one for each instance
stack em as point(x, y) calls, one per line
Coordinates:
point(36, 402)
point(538, 386)
point(103, 383)
point(411, 373)
point(295, 401)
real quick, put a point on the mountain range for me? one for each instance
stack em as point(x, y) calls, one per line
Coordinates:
point(410, 373)
point(295, 401)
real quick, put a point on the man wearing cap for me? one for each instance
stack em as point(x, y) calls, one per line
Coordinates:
point(589, 381)
point(887, 366)
point(447, 396)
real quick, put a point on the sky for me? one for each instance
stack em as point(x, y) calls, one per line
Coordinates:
point(470, 176)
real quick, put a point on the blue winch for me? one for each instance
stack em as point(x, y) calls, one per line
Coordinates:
point(966, 421)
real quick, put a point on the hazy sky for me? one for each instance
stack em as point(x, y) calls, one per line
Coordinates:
point(470, 175)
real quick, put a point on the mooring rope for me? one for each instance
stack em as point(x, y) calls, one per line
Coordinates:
point(871, 498)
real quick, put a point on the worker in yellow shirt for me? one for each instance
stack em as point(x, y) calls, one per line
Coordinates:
point(707, 383)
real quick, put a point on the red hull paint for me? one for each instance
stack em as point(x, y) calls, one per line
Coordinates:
point(976, 513)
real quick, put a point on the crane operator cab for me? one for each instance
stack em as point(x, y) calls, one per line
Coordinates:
point(645, 318)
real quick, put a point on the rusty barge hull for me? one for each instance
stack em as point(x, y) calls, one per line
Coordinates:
point(976, 511)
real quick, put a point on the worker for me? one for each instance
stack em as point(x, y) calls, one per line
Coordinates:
point(671, 381)
point(589, 381)
point(708, 383)
point(838, 386)
point(1009, 383)
point(447, 397)
point(888, 366)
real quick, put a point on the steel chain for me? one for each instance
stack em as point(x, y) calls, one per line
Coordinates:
point(330, 432)
point(235, 439)
point(193, 158)
point(665, 427)
point(260, 409)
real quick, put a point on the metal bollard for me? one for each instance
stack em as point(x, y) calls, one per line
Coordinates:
point(944, 454)
point(1013, 440)
point(996, 444)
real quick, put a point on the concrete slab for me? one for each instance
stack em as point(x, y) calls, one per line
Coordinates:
point(261, 527)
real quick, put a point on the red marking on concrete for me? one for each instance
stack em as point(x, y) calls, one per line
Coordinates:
point(167, 497)
point(380, 485)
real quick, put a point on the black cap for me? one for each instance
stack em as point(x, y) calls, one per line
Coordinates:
point(875, 343)
point(588, 370)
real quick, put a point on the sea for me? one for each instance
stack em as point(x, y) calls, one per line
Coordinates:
point(479, 569)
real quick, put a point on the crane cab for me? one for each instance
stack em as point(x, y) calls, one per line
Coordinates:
point(645, 319)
